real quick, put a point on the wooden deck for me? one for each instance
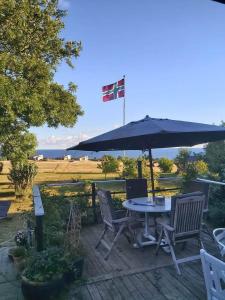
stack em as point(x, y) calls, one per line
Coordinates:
point(10, 287)
point(160, 283)
point(128, 274)
point(138, 273)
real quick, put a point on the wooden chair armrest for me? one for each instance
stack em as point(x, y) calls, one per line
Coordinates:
point(121, 220)
point(166, 226)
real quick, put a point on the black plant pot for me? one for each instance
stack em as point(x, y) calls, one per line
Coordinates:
point(41, 290)
point(76, 272)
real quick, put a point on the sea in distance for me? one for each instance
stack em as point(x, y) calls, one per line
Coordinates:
point(170, 153)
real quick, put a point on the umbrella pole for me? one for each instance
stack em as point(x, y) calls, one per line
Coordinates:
point(151, 172)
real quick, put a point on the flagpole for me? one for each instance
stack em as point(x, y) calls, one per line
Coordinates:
point(124, 104)
point(124, 111)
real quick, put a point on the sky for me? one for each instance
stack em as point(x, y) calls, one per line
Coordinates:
point(172, 53)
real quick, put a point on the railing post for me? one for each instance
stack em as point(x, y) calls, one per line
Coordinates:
point(39, 213)
point(139, 166)
point(39, 233)
point(93, 197)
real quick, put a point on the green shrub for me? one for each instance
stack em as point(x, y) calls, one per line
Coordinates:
point(19, 251)
point(165, 164)
point(109, 164)
point(22, 175)
point(182, 159)
point(215, 156)
point(201, 167)
point(46, 265)
point(217, 205)
point(129, 167)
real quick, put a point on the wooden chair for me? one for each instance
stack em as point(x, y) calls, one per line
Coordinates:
point(113, 221)
point(185, 224)
point(200, 186)
point(214, 275)
point(4, 208)
point(136, 188)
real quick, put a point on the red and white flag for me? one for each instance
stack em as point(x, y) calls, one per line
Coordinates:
point(113, 91)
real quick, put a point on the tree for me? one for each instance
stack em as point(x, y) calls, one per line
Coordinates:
point(30, 51)
point(108, 164)
point(165, 164)
point(193, 170)
point(201, 167)
point(129, 167)
point(215, 156)
point(19, 146)
point(22, 176)
point(181, 160)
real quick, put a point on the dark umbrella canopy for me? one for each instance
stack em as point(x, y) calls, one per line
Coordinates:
point(150, 133)
point(221, 1)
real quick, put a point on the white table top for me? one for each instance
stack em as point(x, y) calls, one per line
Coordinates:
point(146, 205)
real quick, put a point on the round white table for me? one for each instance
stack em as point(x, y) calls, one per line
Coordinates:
point(145, 205)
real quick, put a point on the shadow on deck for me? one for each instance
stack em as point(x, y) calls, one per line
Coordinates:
point(131, 273)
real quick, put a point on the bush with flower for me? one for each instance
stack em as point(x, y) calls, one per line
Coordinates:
point(21, 238)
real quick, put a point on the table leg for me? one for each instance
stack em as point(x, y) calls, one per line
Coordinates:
point(146, 234)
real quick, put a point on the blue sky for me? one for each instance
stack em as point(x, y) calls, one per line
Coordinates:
point(171, 51)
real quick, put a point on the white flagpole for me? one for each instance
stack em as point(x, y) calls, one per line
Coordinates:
point(124, 111)
point(124, 105)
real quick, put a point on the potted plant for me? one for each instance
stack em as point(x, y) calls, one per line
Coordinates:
point(75, 264)
point(18, 255)
point(43, 276)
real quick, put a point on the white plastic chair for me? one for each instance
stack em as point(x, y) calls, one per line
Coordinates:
point(214, 275)
point(219, 236)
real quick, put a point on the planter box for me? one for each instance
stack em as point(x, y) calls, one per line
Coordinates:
point(76, 272)
point(41, 290)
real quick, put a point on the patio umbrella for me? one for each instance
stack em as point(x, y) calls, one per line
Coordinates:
point(221, 1)
point(150, 133)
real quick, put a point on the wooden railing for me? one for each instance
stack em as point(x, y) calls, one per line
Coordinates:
point(39, 210)
point(39, 213)
point(211, 181)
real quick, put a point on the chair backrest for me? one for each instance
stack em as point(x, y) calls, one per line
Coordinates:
point(136, 188)
point(214, 275)
point(4, 207)
point(194, 186)
point(186, 218)
point(180, 196)
point(106, 208)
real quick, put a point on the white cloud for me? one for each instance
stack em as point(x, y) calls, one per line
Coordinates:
point(64, 4)
point(61, 142)
point(68, 140)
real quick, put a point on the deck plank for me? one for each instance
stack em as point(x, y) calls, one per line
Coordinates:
point(93, 290)
point(132, 288)
point(190, 279)
point(152, 290)
point(139, 274)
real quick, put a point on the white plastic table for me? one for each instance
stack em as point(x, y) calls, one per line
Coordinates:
point(145, 205)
